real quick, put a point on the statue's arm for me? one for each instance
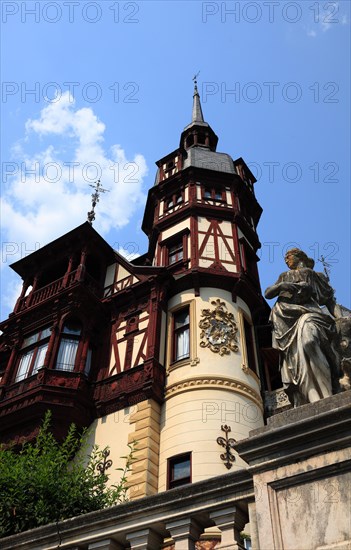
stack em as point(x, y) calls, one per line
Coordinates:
point(276, 289)
point(272, 291)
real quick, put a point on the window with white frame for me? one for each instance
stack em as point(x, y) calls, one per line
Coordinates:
point(174, 200)
point(33, 352)
point(175, 252)
point(181, 334)
point(69, 343)
point(213, 193)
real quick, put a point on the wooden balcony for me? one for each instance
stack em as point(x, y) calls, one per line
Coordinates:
point(52, 289)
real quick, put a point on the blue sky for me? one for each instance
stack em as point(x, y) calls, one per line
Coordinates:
point(112, 85)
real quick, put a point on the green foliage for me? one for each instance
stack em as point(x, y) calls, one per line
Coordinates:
point(41, 483)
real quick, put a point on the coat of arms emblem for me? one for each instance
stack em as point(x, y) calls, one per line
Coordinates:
point(218, 329)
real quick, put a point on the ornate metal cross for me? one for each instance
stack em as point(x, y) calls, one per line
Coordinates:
point(227, 443)
point(105, 464)
point(326, 267)
point(95, 197)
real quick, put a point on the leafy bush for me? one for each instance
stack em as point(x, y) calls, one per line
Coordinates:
point(41, 483)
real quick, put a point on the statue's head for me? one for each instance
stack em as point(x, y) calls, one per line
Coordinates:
point(295, 258)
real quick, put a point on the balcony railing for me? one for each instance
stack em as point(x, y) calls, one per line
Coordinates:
point(47, 291)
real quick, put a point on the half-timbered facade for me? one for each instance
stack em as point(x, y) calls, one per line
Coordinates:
point(163, 350)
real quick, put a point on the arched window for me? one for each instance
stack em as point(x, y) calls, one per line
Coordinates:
point(69, 343)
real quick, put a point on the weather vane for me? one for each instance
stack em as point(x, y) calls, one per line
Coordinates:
point(95, 197)
point(326, 267)
point(195, 79)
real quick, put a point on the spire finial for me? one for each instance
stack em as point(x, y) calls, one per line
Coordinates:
point(95, 197)
point(197, 110)
point(195, 82)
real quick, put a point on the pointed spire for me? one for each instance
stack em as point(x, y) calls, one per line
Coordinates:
point(198, 132)
point(197, 110)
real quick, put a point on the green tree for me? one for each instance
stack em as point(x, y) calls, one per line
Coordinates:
point(47, 481)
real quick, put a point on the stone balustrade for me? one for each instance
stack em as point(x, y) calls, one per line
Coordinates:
point(172, 520)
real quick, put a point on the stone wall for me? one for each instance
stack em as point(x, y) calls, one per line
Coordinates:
point(301, 468)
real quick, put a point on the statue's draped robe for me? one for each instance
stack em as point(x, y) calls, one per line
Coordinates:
point(305, 334)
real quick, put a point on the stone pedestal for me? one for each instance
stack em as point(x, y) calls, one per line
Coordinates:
point(106, 544)
point(301, 468)
point(184, 533)
point(230, 521)
point(145, 539)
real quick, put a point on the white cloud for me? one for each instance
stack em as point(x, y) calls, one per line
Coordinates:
point(39, 207)
point(13, 291)
point(128, 251)
point(326, 16)
point(56, 198)
point(311, 33)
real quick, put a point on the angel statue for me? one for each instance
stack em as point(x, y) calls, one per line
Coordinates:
point(304, 334)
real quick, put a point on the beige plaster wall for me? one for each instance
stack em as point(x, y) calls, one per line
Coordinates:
point(138, 426)
point(113, 431)
point(110, 275)
point(229, 196)
point(175, 229)
point(208, 255)
point(191, 422)
point(204, 362)
point(204, 392)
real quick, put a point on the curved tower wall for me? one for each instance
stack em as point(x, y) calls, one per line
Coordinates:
point(207, 391)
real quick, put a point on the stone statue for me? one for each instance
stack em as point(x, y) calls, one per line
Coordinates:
point(343, 328)
point(304, 334)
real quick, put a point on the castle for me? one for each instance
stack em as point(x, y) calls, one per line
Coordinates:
point(173, 350)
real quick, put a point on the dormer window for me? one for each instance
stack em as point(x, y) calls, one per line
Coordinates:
point(175, 250)
point(170, 167)
point(174, 200)
point(214, 194)
point(218, 195)
point(175, 253)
